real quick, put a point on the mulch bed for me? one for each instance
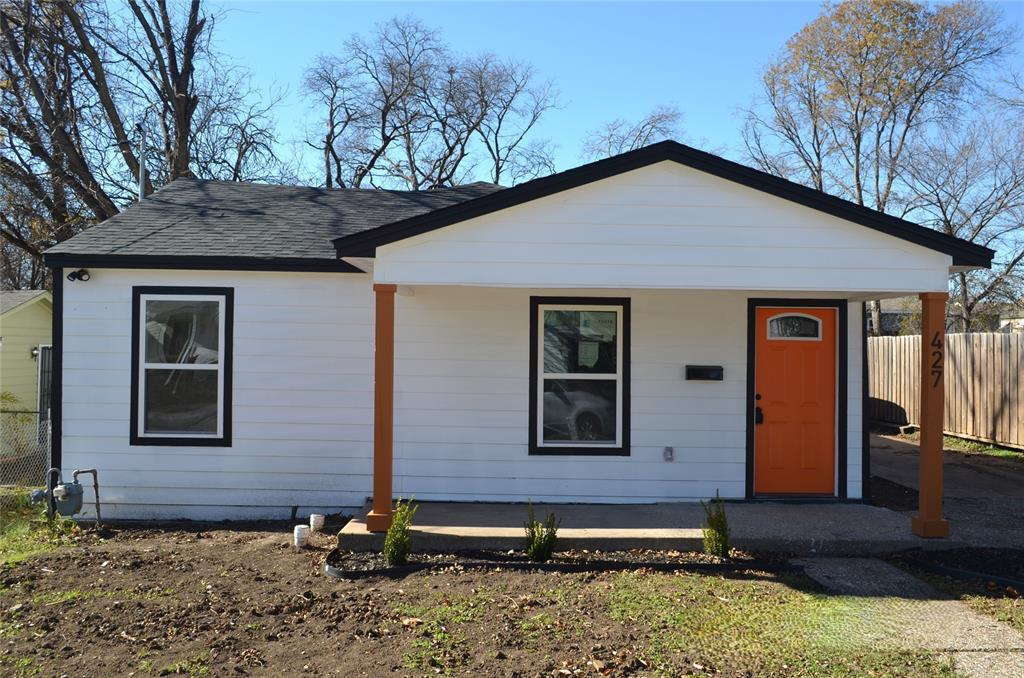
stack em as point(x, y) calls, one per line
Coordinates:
point(890, 495)
point(343, 564)
point(1002, 566)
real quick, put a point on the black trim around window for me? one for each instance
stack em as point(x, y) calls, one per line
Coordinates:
point(226, 365)
point(57, 370)
point(602, 450)
point(842, 388)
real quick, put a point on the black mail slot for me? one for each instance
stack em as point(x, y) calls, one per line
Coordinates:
point(705, 373)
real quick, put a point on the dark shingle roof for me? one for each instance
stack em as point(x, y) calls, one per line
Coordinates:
point(12, 299)
point(193, 218)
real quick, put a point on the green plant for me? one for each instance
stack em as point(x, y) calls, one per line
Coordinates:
point(398, 540)
point(716, 530)
point(541, 537)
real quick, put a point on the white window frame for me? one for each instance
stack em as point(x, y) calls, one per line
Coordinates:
point(617, 376)
point(144, 366)
point(768, 327)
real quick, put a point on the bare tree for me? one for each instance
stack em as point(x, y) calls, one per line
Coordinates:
point(857, 87)
point(619, 136)
point(333, 85)
point(512, 104)
point(968, 181)
point(853, 87)
point(79, 82)
point(398, 108)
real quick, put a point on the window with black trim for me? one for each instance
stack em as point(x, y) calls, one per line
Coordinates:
point(579, 376)
point(181, 365)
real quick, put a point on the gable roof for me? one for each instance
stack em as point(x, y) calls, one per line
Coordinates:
point(364, 243)
point(13, 299)
point(191, 223)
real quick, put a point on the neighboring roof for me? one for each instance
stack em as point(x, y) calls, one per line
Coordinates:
point(907, 305)
point(12, 299)
point(190, 221)
point(365, 242)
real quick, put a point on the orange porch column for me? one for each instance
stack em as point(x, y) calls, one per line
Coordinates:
point(379, 518)
point(929, 521)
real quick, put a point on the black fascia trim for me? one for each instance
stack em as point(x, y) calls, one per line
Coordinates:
point(842, 387)
point(964, 253)
point(865, 443)
point(226, 364)
point(624, 449)
point(212, 263)
point(57, 370)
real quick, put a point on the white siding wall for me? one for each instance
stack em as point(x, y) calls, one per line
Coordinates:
point(664, 226)
point(303, 401)
point(462, 380)
point(855, 404)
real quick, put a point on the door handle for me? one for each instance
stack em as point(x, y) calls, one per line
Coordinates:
point(758, 416)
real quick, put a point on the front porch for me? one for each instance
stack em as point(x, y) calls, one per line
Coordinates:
point(799, 528)
point(468, 468)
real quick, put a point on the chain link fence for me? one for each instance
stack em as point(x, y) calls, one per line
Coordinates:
point(24, 449)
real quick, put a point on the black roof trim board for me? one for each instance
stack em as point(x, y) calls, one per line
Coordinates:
point(197, 263)
point(964, 253)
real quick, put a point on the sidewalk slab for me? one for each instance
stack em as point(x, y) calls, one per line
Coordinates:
point(795, 528)
point(914, 616)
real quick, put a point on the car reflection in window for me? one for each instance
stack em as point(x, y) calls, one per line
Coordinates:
point(579, 410)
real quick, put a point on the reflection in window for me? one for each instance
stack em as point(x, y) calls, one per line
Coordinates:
point(181, 372)
point(580, 376)
point(580, 341)
point(579, 410)
point(794, 327)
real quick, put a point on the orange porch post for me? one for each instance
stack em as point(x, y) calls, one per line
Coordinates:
point(929, 521)
point(379, 518)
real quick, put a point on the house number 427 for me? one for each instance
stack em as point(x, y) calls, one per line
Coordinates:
point(937, 352)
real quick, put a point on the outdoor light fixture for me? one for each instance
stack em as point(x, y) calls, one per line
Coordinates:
point(80, 274)
point(35, 352)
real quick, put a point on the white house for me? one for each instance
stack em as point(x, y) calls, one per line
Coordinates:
point(657, 326)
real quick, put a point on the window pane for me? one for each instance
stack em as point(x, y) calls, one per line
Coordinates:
point(580, 342)
point(181, 401)
point(579, 410)
point(182, 331)
point(793, 326)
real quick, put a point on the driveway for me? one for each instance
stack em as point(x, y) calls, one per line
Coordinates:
point(984, 496)
point(966, 476)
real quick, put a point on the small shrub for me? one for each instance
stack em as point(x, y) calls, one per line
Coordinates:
point(716, 531)
point(541, 537)
point(398, 540)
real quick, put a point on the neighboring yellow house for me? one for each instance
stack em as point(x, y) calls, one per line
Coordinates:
point(25, 317)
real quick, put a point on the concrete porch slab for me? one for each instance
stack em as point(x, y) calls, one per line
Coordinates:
point(797, 528)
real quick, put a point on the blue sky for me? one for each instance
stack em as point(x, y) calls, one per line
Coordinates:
point(609, 60)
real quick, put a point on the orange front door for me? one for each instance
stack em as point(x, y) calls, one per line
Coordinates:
point(795, 401)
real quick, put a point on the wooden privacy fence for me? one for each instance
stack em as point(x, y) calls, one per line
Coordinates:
point(984, 386)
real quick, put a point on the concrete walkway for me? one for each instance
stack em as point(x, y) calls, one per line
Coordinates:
point(915, 616)
point(804, 528)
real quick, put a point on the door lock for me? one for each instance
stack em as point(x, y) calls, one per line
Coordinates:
point(758, 416)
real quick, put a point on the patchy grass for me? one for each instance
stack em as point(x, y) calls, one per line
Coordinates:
point(769, 626)
point(1002, 603)
point(191, 666)
point(25, 532)
point(965, 446)
point(440, 645)
point(161, 602)
point(20, 667)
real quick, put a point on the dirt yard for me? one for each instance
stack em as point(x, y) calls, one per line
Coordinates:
point(243, 602)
